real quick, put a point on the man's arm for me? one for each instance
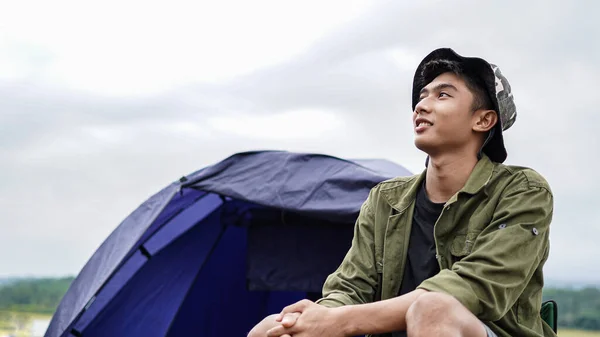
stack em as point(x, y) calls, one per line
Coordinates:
point(350, 320)
point(378, 317)
point(355, 280)
point(505, 255)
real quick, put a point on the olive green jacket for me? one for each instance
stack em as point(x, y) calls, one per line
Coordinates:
point(491, 243)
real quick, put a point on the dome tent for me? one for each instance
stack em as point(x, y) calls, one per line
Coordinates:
point(216, 251)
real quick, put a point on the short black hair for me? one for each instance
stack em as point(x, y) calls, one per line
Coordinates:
point(434, 68)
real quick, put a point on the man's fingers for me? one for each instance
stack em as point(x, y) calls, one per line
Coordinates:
point(296, 307)
point(290, 319)
point(278, 331)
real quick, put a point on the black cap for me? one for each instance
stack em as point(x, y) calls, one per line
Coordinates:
point(497, 87)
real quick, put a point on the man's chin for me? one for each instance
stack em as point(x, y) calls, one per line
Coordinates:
point(424, 146)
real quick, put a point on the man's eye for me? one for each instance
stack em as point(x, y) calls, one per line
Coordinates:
point(442, 94)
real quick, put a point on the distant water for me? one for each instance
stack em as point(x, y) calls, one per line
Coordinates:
point(39, 326)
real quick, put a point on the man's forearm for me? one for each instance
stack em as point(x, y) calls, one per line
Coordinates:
point(377, 317)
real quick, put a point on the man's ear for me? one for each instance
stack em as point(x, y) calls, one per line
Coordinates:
point(484, 120)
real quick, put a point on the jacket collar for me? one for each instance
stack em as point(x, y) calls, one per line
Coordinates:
point(481, 175)
point(401, 194)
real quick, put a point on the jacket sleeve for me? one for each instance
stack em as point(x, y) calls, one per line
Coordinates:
point(505, 255)
point(355, 280)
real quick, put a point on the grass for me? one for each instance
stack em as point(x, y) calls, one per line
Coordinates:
point(577, 333)
point(18, 324)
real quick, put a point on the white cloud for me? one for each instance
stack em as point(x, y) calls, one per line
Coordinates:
point(404, 59)
point(290, 125)
point(145, 47)
point(132, 137)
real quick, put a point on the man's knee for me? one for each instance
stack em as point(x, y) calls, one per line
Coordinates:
point(431, 305)
point(433, 313)
point(260, 329)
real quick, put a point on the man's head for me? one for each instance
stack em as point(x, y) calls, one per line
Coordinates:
point(461, 104)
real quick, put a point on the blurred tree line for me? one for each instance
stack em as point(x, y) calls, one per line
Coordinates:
point(577, 308)
point(34, 295)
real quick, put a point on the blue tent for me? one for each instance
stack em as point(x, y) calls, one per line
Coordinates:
point(216, 251)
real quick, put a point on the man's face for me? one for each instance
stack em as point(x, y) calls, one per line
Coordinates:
point(443, 119)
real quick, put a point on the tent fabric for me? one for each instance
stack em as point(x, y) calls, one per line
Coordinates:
point(298, 255)
point(183, 221)
point(155, 293)
point(105, 259)
point(313, 184)
point(208, 244)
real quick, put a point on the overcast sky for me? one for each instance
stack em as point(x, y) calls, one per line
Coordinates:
point(104, 103)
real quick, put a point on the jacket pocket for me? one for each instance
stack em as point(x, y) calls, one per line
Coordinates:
point(462, 245)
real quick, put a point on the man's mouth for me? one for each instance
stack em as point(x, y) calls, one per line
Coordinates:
point(421, 124)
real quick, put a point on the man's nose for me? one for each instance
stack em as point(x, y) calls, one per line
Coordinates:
point(423, 106)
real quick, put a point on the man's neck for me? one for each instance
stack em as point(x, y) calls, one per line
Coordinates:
point(447, 174)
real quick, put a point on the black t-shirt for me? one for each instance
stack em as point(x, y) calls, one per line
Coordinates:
point(421, 263)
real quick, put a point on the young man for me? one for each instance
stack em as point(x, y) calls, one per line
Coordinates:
point(455, 251)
